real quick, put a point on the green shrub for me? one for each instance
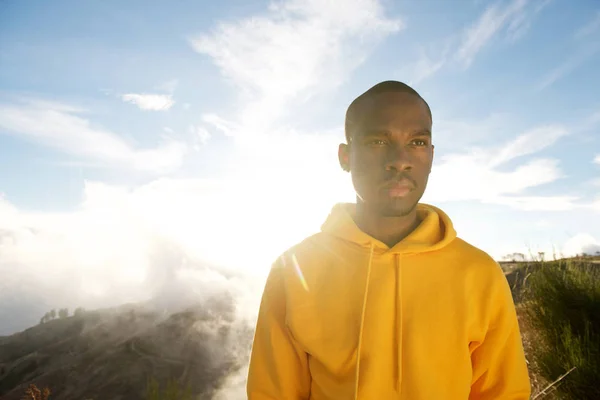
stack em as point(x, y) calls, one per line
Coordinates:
point(563, 306)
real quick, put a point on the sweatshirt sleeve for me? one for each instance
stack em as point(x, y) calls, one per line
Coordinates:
point(278, 366)
point(498, 361)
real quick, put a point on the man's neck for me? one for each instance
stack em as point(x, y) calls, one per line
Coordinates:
point(389, 230)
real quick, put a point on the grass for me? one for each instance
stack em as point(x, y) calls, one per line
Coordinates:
point(561, 309)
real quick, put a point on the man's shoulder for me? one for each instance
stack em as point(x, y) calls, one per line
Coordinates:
point(311, 244)
point(476, 259)
point(469, 250)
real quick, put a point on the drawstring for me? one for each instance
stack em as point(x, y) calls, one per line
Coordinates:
point(398, 325)
point(362, 321)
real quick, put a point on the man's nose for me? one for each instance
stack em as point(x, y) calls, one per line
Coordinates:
point(399, 158)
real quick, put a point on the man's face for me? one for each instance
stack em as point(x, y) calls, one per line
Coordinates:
point(390, 153)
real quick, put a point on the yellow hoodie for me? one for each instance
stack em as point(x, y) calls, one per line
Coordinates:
point(343, 316)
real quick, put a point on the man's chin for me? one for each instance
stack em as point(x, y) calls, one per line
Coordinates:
point(398, 208)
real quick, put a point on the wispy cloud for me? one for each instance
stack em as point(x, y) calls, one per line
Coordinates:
point(296, 49)
point(58, 126)
point(589, 28)
point(527, 143)
point(200, 136)
point(584, 50)
point(512, 20)
point(481, 174)
point(537, 203)
point(145, 101)
point(568, 66)
point(428, 63)
point(597, 159)
point(513, 17)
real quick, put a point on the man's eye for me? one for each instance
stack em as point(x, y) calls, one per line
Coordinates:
point(377, 142)
point(420, 142)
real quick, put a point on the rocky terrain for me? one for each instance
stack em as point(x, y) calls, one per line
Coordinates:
point(112, 353)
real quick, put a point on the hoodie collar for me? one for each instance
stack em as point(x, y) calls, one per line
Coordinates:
point(434, 232)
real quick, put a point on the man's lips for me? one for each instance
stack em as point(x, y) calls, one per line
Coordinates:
point(399, 188)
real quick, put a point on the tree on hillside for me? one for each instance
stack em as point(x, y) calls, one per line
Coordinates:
point(63, 313)
point(515, 257)
point(52, 314)
point(78, 311)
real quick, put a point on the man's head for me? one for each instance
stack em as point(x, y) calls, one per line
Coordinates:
point(388, 148)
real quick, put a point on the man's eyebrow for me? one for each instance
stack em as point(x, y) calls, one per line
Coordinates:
point(421, 132)
point(370, 132)
point(375, 132)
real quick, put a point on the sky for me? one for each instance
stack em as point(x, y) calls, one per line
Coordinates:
point(153, 149)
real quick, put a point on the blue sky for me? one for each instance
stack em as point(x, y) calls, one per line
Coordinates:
point(128, 128)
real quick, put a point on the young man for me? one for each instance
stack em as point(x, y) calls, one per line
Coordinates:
point(386, 302)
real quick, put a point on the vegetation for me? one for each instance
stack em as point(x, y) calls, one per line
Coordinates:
point(33, 393)
point(62, 313)
point(78, 312)
point(172, 391)
point(562, 306)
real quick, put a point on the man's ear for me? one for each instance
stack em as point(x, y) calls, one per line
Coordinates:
point(344, 157)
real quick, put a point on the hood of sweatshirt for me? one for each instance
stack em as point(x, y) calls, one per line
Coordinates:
point(434, 232)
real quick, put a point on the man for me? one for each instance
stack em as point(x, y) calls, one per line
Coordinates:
point(386, 302)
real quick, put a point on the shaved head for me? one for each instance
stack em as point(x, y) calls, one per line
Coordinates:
point(353, 112)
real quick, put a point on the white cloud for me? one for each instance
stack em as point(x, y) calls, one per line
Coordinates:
point(480, 173)
point(296, 49)
point(124, 244)
point(589, 28)
point(227, 128)
point(597, 159)
point(200, 136)
point(110, 251)
point(58, 126)
point(581, 243)
point(145, 101)
point(490, 23)
point(537, 203)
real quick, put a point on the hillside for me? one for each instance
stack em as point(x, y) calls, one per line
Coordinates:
point(111, 354)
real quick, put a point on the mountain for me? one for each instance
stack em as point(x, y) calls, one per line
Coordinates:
point(112, 353)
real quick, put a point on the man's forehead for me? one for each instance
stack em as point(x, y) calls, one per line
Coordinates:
point(401, 101)
point(390, 108)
